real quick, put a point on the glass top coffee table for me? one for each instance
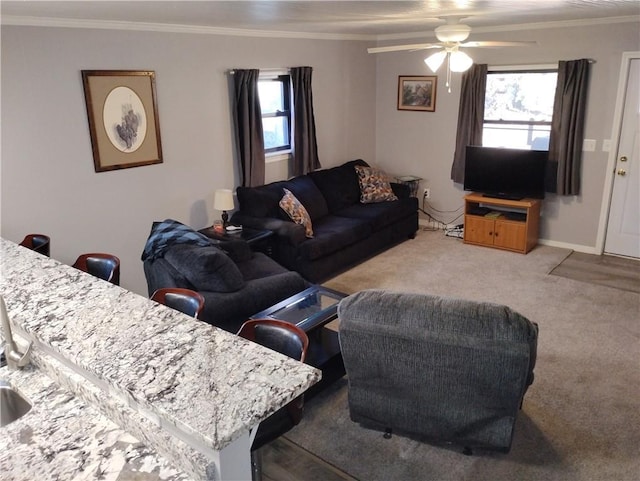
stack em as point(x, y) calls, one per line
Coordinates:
point(315, 311)
point(312, 308)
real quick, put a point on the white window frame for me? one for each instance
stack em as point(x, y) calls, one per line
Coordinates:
point(515, 69)
point(282, 153)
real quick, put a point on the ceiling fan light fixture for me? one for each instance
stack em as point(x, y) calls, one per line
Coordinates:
point(456, 32)
point(434, 61)
point(460, 62)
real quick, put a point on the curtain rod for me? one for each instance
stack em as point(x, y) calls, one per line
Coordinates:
point(545, 66)
point(266, 70)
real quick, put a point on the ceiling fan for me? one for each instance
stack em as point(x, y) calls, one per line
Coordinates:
point(451, 37)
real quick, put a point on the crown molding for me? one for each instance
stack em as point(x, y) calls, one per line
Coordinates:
point(238, 32)
point(171, 28)
point(523, 26)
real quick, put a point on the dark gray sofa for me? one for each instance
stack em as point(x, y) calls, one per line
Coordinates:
point(345, 230)
point(234, 281)
point(451, 370)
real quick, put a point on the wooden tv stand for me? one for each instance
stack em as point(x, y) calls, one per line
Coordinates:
point(513, 225)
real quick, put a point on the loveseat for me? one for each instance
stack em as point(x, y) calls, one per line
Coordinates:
point(342, 230)
point(450, 370)
point(234, 281)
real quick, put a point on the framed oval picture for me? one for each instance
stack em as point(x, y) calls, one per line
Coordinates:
point(123, 118)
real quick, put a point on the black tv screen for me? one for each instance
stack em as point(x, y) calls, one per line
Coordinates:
point(505, 173)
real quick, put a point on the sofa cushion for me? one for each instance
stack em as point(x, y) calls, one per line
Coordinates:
point(207, 268)
point(333, 233)
point(374, 185)
point(261, 201)
point(339, 185)
point(381, 214)
point(260, 265)
point(309, 195)
point(296, 211)
point(238, 250)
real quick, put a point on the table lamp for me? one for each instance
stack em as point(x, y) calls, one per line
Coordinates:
point(223, 201)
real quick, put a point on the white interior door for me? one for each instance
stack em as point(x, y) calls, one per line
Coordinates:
point(623, 229)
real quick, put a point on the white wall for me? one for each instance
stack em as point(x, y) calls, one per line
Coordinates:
point(422, 143)
point(48, 183)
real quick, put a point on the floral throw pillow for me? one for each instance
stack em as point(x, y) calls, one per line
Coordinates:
point(294, 209)
point(374, 185)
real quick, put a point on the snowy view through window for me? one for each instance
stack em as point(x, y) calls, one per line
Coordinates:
point(276, 128)
point(518, 109)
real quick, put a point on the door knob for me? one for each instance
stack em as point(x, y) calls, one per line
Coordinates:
point(622, 172)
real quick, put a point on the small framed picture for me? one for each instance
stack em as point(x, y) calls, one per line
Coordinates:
point(417, 93)
point(123, 118)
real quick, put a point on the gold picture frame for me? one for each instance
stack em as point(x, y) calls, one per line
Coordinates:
point(417, 92)
point(123, 118)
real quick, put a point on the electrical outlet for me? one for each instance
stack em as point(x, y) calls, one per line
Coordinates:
point(589, 145)
point(426, 193)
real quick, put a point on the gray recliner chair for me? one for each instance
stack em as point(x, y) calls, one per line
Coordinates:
point(448, 370)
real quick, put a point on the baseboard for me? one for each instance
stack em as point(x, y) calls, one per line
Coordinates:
point(566, 245)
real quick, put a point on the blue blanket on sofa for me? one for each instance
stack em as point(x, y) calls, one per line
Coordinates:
point(171, 232)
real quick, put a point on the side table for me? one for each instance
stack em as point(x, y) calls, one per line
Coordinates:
point(257, 239)
point(412, 182)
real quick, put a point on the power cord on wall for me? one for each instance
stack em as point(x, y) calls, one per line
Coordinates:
point(436, 223)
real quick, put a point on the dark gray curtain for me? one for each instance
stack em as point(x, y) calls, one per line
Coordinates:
point(247, 118)
point(305, 148)
point(567, 124)
point(470, 116)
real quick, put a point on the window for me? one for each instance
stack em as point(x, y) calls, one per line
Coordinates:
point(518, 109)
point(274, 93)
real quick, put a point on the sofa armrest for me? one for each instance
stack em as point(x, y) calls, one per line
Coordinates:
point(292, 232)
point(229, 311)
point(402, 191)
point(159, 273)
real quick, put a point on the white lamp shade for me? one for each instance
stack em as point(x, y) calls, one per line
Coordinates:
point(434, 61)
point(460, 62)
point(223, 200)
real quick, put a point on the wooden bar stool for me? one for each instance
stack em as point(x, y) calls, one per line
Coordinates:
point(184, 300)
point(37, 242)
point(290, 340)
point(104, 266)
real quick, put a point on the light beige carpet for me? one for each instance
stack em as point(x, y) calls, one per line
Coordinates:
point(581, 416)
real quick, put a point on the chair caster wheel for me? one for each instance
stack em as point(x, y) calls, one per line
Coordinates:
point(467, 451)
point(387, 433)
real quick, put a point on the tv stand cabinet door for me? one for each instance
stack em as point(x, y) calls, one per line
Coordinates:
point(510, 235)
point(478, 230)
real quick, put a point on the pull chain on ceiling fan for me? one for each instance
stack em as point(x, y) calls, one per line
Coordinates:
point(457, 61)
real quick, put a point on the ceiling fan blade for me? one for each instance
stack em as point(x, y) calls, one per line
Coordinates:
point(498, 44)
point(397, 48)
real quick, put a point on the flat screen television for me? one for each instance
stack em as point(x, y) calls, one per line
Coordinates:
point(505, 173)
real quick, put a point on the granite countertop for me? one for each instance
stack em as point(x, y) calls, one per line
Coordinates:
point(203, 386)
point(62, 437)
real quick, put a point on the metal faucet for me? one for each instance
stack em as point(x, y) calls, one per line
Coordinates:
point(15, 359)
